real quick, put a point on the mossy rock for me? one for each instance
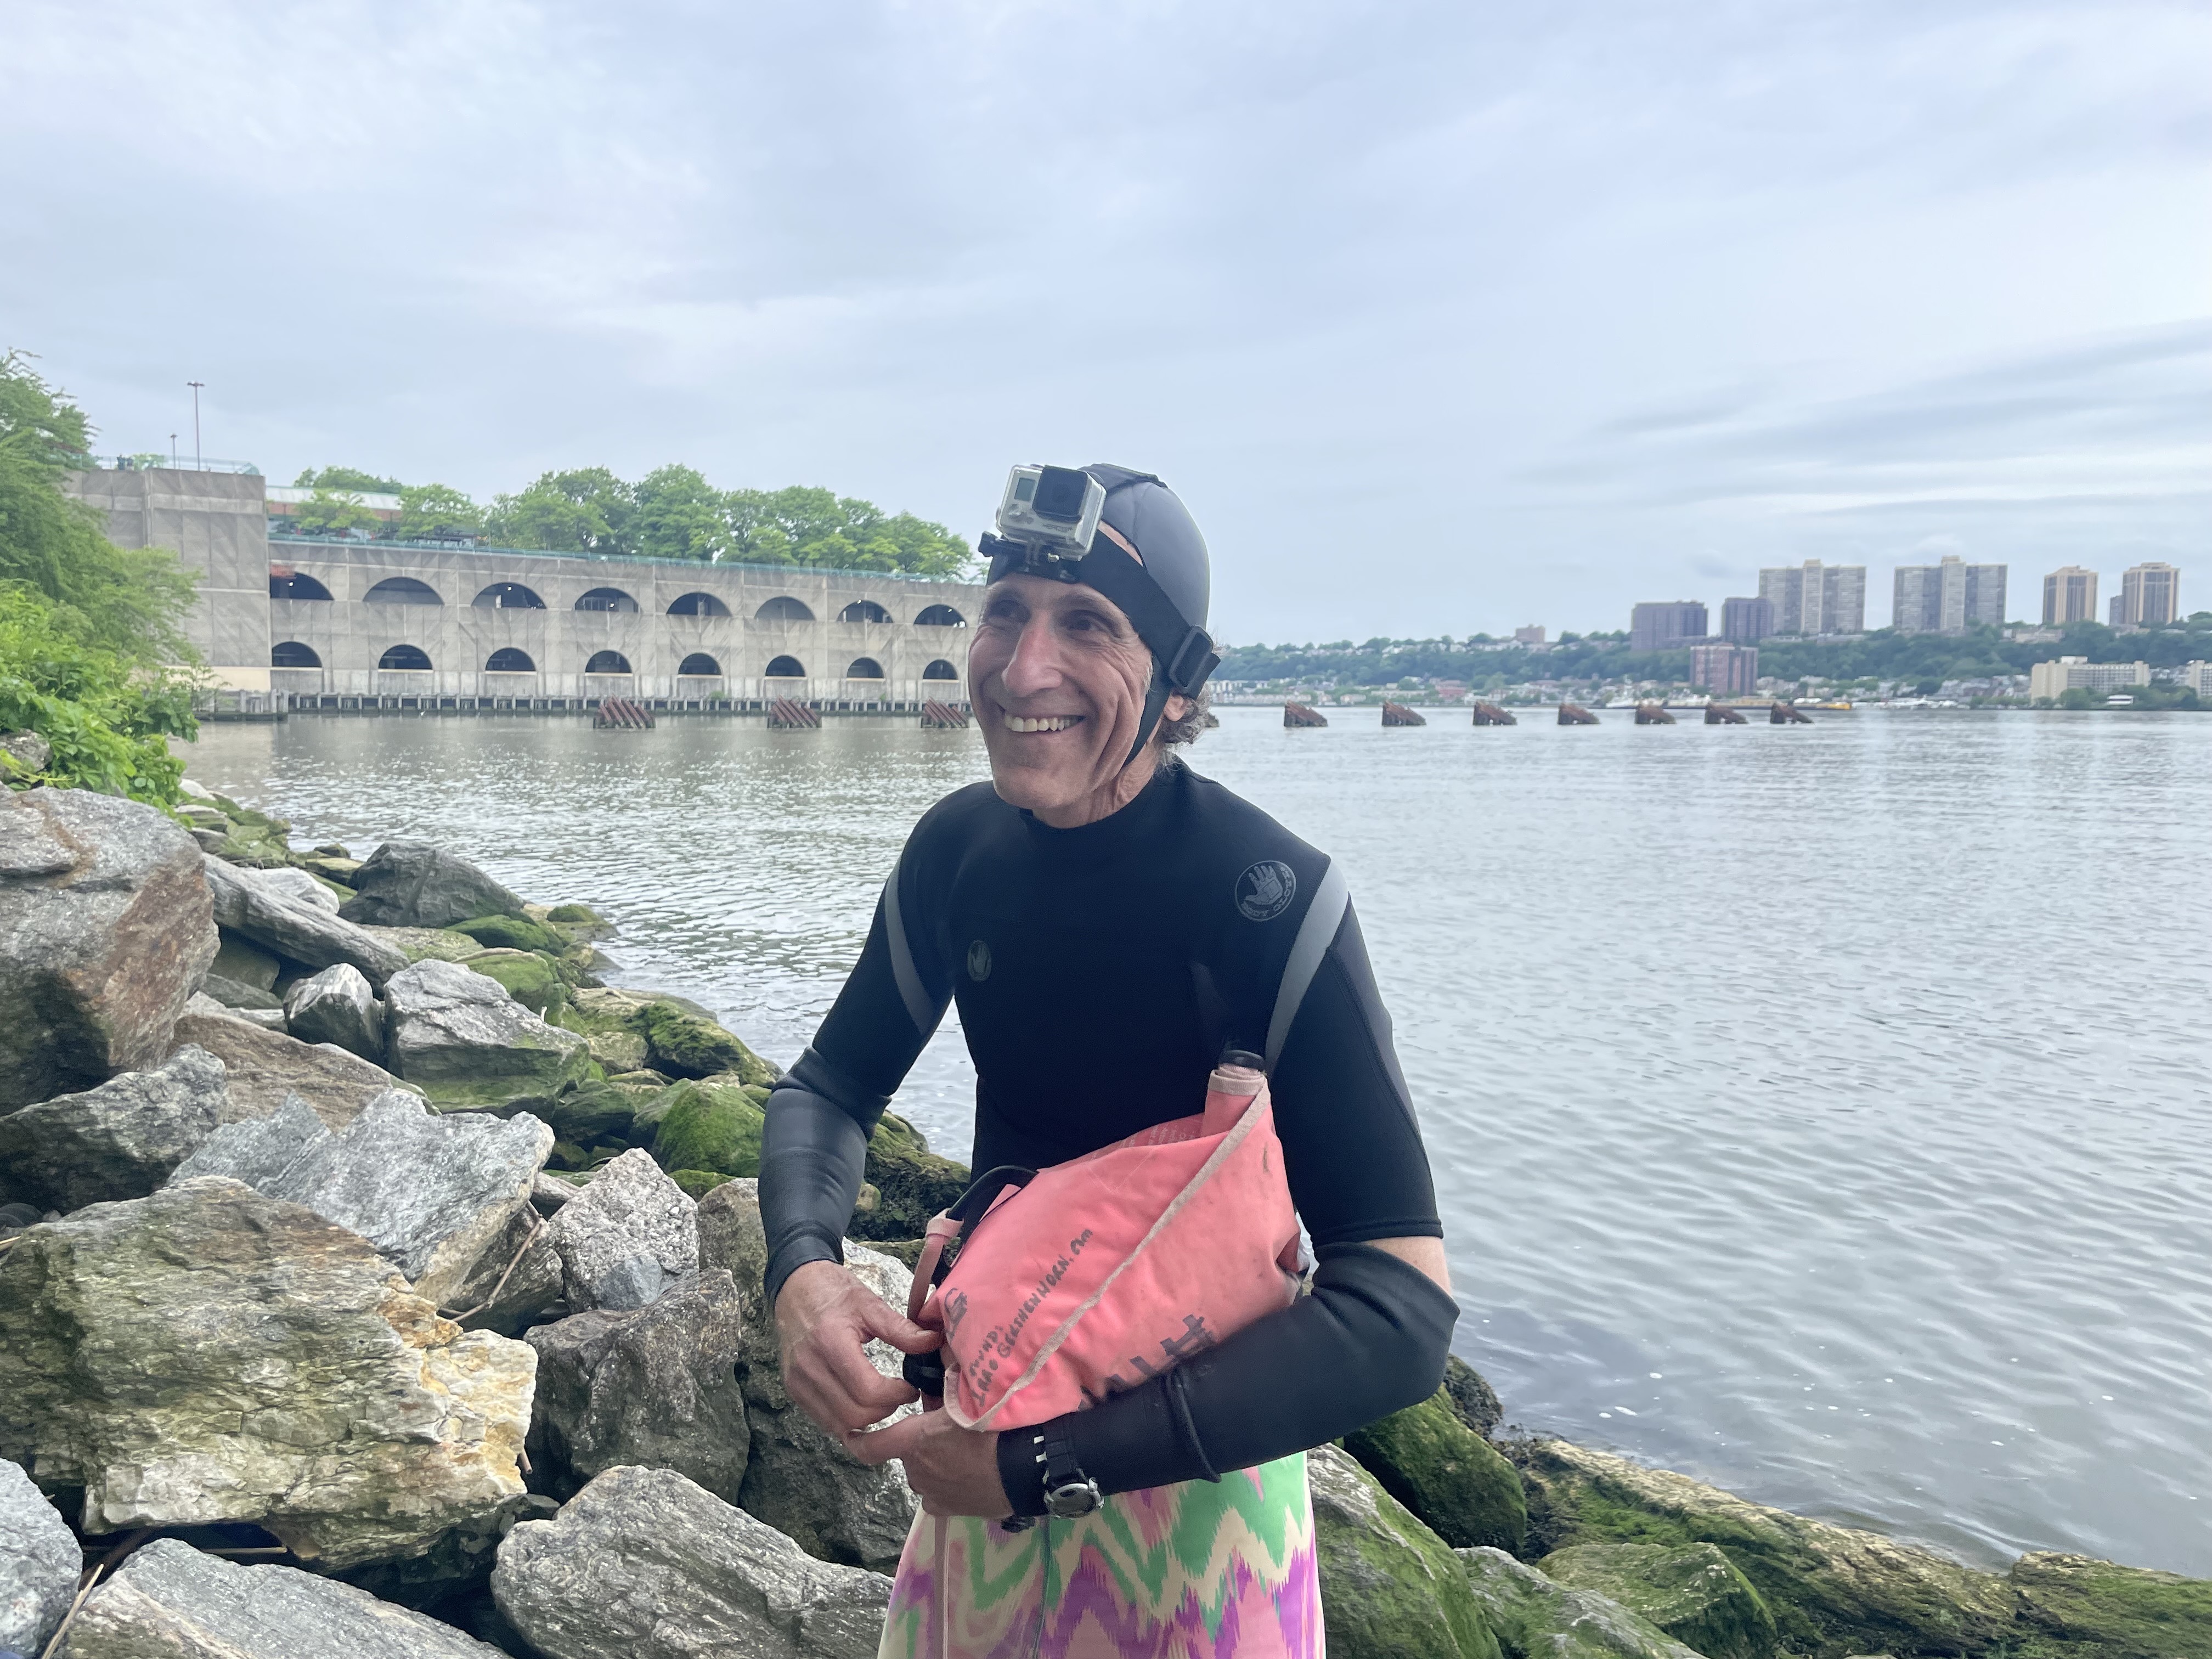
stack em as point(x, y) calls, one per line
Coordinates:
point(698, 1183)
point(514, 934)
point(1451, 1477)
point(703, 1127)
point(1533, 1615)
point(1390, 1589)
point(529, 979)
point(427, 943)
point(2128, 1613)
point(579, 921)
point(1473, 1401)
point(567, 1155)
point(1693, 1592)
point(912, 1182)
point(684, 1045)
point(591, 1113)
point(618, 1051)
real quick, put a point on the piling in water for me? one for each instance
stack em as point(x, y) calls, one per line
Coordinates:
point(1782, 715)
point(1651, 713)
point(943, 715)
point(785, 715)
point(1397, 714)
point(1489, 713)
point(1716, 715)
point(620, 713)
point(1573, 714)
point(1296, 715)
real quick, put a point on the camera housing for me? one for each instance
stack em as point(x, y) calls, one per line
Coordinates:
point(1054, 507)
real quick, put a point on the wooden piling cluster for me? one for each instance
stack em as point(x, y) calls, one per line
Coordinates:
point(1397, 714)
point(1721, 714)
point(1295, 714)
point(942, 716)
point(1782, 715)
point(621, 713)
point(1573, 714)
point(1489, 713)
point(785, 715)
point(1652, 714)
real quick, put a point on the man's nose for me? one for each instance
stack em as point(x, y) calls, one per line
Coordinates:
point(1034, 665)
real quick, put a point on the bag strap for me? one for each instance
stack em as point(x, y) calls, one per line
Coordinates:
point(1324, 916)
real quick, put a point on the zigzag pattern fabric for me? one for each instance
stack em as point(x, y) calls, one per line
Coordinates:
point(1202, 1570)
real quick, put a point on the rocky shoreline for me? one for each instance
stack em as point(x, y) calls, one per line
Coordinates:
point(375, 1279)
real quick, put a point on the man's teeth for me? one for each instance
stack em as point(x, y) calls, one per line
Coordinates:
point(1041, 723)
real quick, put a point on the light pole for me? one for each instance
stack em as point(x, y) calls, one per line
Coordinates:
point(198, 465)
point(172, 452)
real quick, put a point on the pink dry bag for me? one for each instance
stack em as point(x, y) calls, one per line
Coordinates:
point(1073, 1283)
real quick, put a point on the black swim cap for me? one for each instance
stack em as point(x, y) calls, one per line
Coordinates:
point(1159, 527)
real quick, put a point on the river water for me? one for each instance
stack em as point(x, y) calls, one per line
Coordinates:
point(1821, 1112)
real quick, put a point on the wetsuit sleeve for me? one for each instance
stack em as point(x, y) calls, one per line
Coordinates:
point(1371, 1340)
point(815, 1145)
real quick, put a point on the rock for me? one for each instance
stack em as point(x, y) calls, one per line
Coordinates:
point(240, 960)
point(912, 1183)
point(1473, 1401)
point(465, 1040)
point(618, 1051)
point(120, 1140)
point(293, 883)
point(211, 1354)
point(1535, 1617)
point(202, 1006)
point(295, 930)
point(643, 1563)
point(104, 935)
point(1389, 1587)
point(427, 943)
point(336, 1006)
point(591, 1112)
point(1691, 1591)
point(412, 883)
point(1446, 1473)
point(529, 978)
point(689, 1045)
point(169, 1600)
point(262, 1068)
point(238, 994)
point(433, 1194)
point(626, 1237)
point(514, 934)
point(455, 1571)
point(332, 867)
point(1829, 1589)
point(657, 1388)
point(2129, 1612)
point(703, 1127)
point(28, 754)
point(38, 1563)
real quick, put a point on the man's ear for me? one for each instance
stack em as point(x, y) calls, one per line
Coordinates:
point(1177, 707)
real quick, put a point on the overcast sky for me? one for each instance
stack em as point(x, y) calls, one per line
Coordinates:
point(1442, 317)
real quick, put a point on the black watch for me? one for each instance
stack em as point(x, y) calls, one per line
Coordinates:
point(1068, 1493)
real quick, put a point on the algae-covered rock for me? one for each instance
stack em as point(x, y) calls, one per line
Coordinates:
point(1535, 1617)
point(579, 919)
point(427, 943)
point(1831, 1589)
point(2128, 1613)
point(1693, 1592)
point(529, 979)
point(412, 883)
point(1473, 1401)
point(618, 1051)
point(1446, 1473)
point(686, 1045)
point(704, 1128)
point(458, 1036)
point(512, 933)
point(1389, 1587)
point(591, 1113)
point(912, 1183)
point(699, 1182)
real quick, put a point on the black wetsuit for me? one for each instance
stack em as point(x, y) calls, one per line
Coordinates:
point(1101, 972)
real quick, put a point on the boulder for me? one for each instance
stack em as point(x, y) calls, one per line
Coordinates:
point(618, 1051)
point(2125, 1612)
point(465, 1042)
point(433, 1194)
point(732, 1237)
point(238, 994)
point(705, 1127)
point(643, 1563)
point(426, 944)
point(531, 980)
point(242, 961)
point(169, 1600)
point(1473, 1401)
point(118, 1140)
point(1691, 1591)
point(27, 754)
point(593, 1112)
point(294, 882)
point(657, 1388)
point(912, 1183)
point(684, 1044)
point(1829, 1589)
point(336, 1006)
point(1535, 1617)
point(202, 1006)
point(40, 1562)
point(1451, 1477)
point(104, 933)
point(626, 1237)
point(212, 1354)
point(412, 883)
point(1389, 1585)
point(262, 1069)
point(514, 934)
point(293, 928)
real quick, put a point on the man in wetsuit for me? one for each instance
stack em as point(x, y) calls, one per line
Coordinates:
point(1110, 922)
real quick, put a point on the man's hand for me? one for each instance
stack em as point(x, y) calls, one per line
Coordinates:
point(954, 1471)
point(823, 1317)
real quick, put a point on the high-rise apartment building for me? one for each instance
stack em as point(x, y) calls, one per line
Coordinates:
point(2150, 595)
point(1746, 621)
point(1816, 599)
point(2070, 595)
point(1949, 597)
point(1727, 671)
point(1656, 627)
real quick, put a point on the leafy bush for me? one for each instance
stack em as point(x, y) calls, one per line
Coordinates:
point(107, 718)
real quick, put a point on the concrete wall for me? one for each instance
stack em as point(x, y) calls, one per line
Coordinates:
point(216, 522)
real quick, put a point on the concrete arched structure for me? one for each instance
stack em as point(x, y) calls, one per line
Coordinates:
point(406, 659)
point(940, 616)
point(291, 653)
point(607, 599)
point(939, 670)
point(509, 660)
point(698, 604)
point(784, 608)
point(402, 589)
point(508, 596)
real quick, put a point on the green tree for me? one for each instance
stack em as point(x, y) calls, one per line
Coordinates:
point(346, 477)
point(106, 717)
point(435, 510)
point(334, 512)
point(127, 601)
point(586, 511)
point(680, 515)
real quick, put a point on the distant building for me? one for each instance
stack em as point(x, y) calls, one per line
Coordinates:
point(1727, 671)
point(2197, 677)
point(1746, 621)
point(1656, 627)
point(2070, 595)
point(2054, 679)
point(1816, 599)
point(1948, 597)
point(2150, 595)
point(1532, 634)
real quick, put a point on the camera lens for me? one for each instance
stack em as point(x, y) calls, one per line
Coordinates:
point(1060, 493)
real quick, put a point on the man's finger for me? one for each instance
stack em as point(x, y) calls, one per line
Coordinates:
point(886, 1322)
point(874, 1446)
point(855, 1392)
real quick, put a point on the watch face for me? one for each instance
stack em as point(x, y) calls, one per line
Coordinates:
point(1077, 1498)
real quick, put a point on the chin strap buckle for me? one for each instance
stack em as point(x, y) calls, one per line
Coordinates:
point(1194, 660)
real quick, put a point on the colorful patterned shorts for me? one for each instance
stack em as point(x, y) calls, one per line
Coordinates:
point(1204, 1570)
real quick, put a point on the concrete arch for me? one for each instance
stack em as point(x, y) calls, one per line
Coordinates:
point(508, 660)
point(940, 670)
point(607, 662)
point(698, 604)
point(699, 666)
point(786, 668)
point(864, 668)
point(290, 653)
point(508, 596)
point(940, 616)
point(864, 611)
point(783, 608)
point(402, 589)
point(295, 584)
point(606, 599)
point(412, 659)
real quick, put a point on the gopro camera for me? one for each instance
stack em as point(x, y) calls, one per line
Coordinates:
point(1052, 508)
